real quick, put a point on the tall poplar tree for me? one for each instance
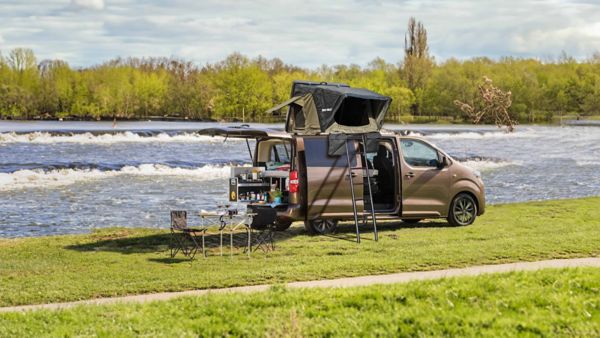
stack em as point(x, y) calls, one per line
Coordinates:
point(417, 64)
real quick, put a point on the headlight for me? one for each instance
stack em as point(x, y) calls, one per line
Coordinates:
point(477, 173)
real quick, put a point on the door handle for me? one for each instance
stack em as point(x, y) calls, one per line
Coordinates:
point(410, 175)
point(351, 174)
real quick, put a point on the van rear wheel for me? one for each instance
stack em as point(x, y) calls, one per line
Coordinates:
point(463, 210)
point(321, 226)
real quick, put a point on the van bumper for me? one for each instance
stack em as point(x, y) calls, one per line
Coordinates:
point(481, 199)
point(292, 213)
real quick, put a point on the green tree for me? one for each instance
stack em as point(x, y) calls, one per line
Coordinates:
point(402, 100)
point(243, 90)
point(282, 84)
point(417, 64)
point(23, 83)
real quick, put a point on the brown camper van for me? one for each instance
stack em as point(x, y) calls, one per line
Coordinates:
point(347, 168)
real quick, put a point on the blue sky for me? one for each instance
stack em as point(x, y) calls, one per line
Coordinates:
point(305, 33)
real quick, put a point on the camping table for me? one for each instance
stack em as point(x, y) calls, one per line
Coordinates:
point(227, 219)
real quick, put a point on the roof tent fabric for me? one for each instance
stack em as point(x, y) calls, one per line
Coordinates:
point(333, 108)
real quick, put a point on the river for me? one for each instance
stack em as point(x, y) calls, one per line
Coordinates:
point(71, 177)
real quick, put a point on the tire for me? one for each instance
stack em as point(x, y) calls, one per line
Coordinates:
point(320, 226)
point(282, 225)
point(411, 220)
point(463, 210)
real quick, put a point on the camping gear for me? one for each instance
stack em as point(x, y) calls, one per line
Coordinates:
point(227, 220)
point(316, 108)
point(263, 224)
point(184, 238)
point(223, 218)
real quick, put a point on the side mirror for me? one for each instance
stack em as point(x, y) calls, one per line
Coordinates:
point(442, 163)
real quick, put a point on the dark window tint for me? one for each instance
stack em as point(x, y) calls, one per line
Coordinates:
point(280, 153)
point(316, 154)
point(353, 112)
point(419, 154)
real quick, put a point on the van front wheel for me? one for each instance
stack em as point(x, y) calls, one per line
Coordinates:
point(320, 226)
point(463, 210)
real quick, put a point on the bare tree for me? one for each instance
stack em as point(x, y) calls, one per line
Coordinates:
point(415, 40)
point(492, 106)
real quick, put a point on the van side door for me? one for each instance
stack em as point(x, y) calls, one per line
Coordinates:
point(328, 191)
point(425, 187)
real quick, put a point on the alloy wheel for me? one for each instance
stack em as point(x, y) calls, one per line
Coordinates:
point(324, 226)
point(464, 210)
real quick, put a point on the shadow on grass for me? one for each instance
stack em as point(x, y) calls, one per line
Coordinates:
point(159, 243)
point(347, 230)
point(169, 260)
point(127, 244)
point(134, 244)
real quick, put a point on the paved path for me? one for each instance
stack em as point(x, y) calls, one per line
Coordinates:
point(402, 277)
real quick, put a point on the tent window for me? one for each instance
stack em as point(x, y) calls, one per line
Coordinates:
point(298, 116)
point(354, 112)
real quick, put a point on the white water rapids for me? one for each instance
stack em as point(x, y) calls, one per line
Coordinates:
point(72, 177)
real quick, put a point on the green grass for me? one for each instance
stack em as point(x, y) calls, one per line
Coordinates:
point(128, 261)
point(542, 303)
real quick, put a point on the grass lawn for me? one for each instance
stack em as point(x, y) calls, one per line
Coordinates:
point(542, 303)
point(129, 261)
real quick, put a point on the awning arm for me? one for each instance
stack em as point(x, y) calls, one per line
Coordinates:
point(293, 100)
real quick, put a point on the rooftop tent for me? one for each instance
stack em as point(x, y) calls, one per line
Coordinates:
point(333, 108)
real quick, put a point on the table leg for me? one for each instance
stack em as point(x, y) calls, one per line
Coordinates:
point(221, 240)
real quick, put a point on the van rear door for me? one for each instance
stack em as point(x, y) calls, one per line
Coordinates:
point(328, 192)
point(244, 131)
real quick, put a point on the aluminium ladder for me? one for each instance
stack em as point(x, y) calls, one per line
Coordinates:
point(365, 214)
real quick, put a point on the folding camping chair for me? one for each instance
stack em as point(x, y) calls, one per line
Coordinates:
point(264, 233)
point(184, 238)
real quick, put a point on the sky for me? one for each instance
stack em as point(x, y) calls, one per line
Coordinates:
point(305, 33)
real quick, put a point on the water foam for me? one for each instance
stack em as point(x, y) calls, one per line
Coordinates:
point(61, 177)
point(487, 165)
point(588, 162)
point(107, 138)
point(471, 135)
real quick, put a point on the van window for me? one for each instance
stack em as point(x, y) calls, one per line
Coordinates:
point(316, 154)
point(419, 154)
point(280, 153)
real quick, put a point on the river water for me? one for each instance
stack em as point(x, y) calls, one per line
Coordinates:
point(71, 177)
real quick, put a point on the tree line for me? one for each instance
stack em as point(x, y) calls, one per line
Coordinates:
point(240, 88)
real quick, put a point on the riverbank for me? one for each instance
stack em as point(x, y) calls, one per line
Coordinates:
point(117, 262)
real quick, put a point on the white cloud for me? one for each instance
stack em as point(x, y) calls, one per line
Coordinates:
point(311, 34)
point(88, 4)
